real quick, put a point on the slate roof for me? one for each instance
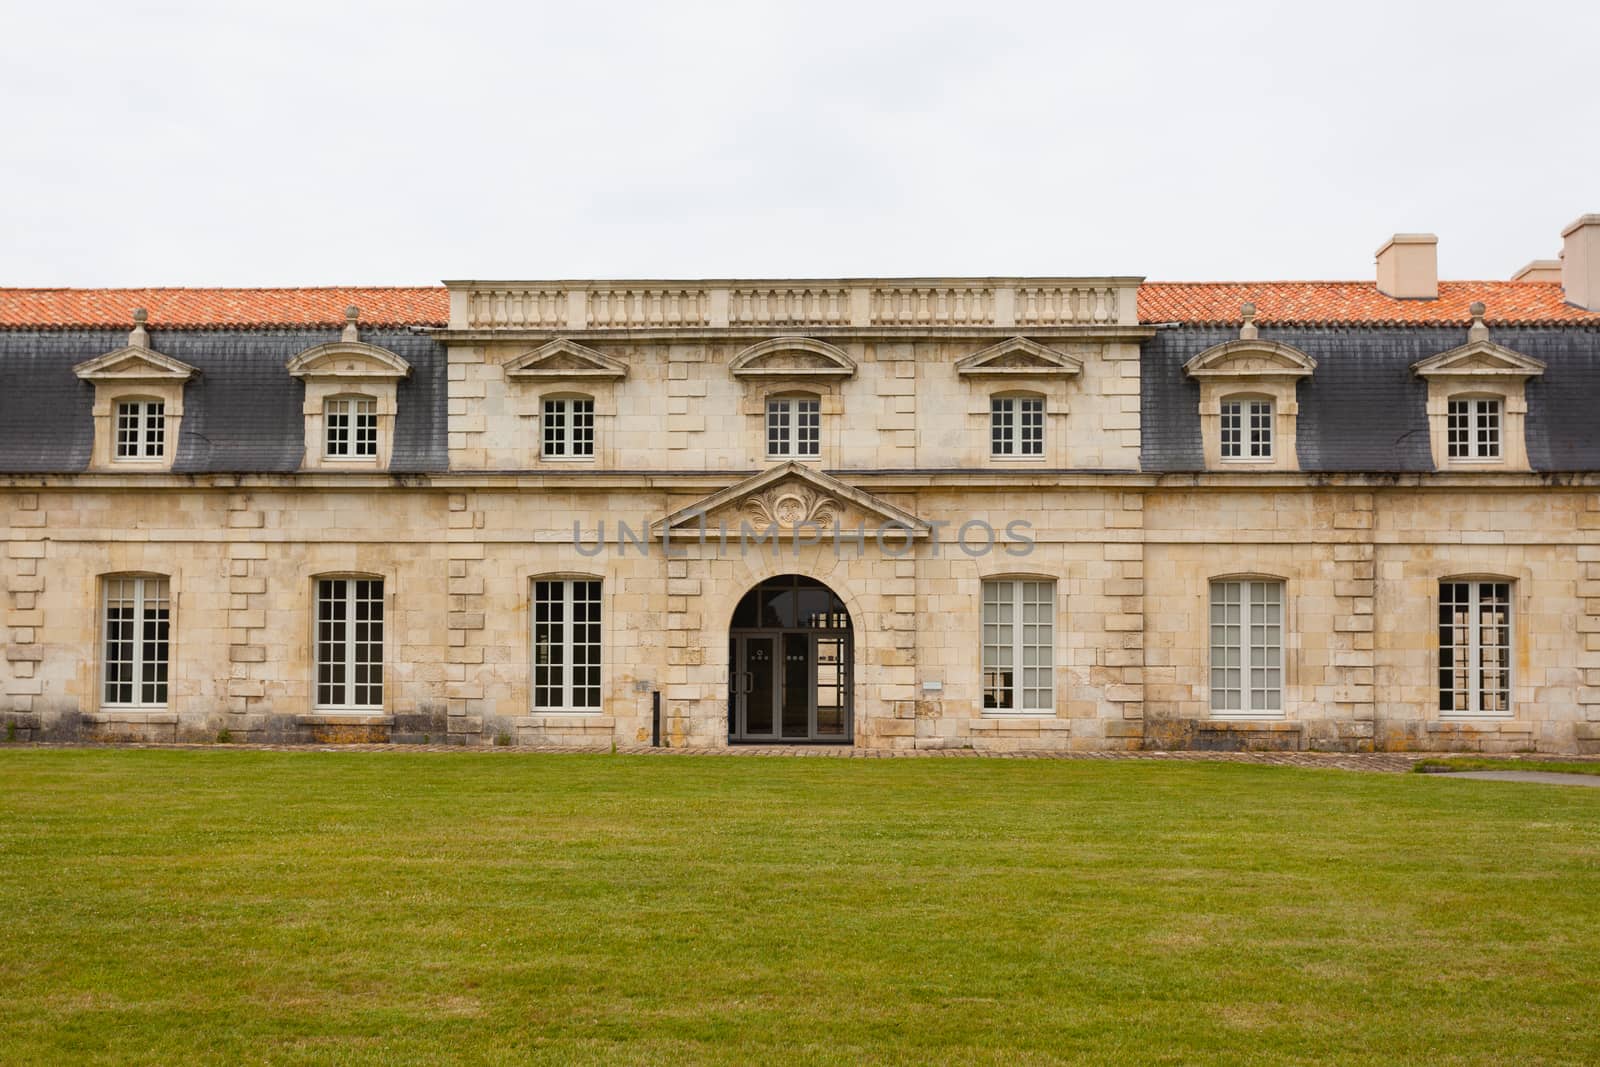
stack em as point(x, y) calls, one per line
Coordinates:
point(1364, 410)
point(242, 413)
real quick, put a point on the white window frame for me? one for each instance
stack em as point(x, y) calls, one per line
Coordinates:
point(782, 426)
point(149, 419)
point(1467, 638)
point(1016, 426)
point(568, 595)
point(1254, 421)
point(142, 593)
point(1248, 640)
point(1008, 604)
point(357, 412)
point(566, 428)
point(346, 594)
point(1476, 446)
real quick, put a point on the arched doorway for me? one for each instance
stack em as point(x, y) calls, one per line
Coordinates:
point(791, 665)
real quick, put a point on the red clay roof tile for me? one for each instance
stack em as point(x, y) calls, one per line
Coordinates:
point(1193, 303)
point(1336, 303)
point(197, 308)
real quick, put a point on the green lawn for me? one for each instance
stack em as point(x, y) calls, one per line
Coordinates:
point(239, 906)
point(1492, 763)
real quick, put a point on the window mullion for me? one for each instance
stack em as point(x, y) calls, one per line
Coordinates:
point(347, 697)
point(138, 642)
point(568, 587)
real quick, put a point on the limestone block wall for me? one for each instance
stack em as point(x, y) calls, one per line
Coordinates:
point(1132, 560)
point(680, 408)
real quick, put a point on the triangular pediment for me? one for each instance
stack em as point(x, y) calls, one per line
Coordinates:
point(1018, 357)
point(1250, 358)
point(348, 359)
point(791, 496)
point(134, 364)
point(562, 358)
point(1479, 359)
point(792, 357)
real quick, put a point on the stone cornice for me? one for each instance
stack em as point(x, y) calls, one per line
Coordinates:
point(874, 480)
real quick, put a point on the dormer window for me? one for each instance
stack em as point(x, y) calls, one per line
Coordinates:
point(138, 404)
point(351, 401)
point(1478, 403)
point(351, 424)
point(1249, 406)
point(141, 429)
point(1246, 428)
point(794, 427)
point(568, 427)
point(1472, 429)
point(1016, 426)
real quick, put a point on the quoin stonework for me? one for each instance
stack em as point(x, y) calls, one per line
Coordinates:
point(996, 513)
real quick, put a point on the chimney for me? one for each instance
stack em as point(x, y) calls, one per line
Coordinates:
point(1539, 270)
point(1408, 267)
point(1580, 262)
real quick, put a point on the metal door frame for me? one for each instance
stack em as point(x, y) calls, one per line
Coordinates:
point(739, 677)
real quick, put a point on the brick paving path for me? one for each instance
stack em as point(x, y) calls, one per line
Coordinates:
point(1391, 762)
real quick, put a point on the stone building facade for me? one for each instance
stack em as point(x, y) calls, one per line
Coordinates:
point(997, 513)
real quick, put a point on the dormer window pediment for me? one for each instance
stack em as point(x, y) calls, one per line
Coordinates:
point(1251, 358)
point(349, 360)
point(793, 357)
point(1480, 359)
point(134, 364)
point(566, 359)
point(1018, 357)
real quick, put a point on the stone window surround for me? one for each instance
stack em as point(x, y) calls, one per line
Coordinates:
point(528, 578)
point(1019, 367)
point(350, 713)
point(1479, 370)
point(1517, 608)
point(830, 398)
point(568, 395)
point(1057, 646)
point(561, 369)
point(134, 372)
point(133, 712)
point(1246, 714)
point(1513, 422)
point(1250, 368)
point(348, 369)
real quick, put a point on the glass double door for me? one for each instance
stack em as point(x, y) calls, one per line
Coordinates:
point(789, 686)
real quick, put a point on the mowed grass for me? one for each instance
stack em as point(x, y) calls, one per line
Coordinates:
point(238, 906)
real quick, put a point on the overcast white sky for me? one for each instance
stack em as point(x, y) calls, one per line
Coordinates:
point(321, 143)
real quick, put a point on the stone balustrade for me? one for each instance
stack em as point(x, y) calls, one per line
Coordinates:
point(905, 303)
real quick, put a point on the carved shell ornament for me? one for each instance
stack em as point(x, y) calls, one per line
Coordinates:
point(790, 507)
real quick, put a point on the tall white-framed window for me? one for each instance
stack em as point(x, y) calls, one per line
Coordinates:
point(794, 426)
point(350, 427)
point(1475, 648)
point(349, 644)
point(1019, 645)
point(1246, 428)
point(1247, 648)
point(141, 429)
point(568, 427)
point(1016, 426)
point(566, 644)
point(1472, 428)
point(137, 619)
